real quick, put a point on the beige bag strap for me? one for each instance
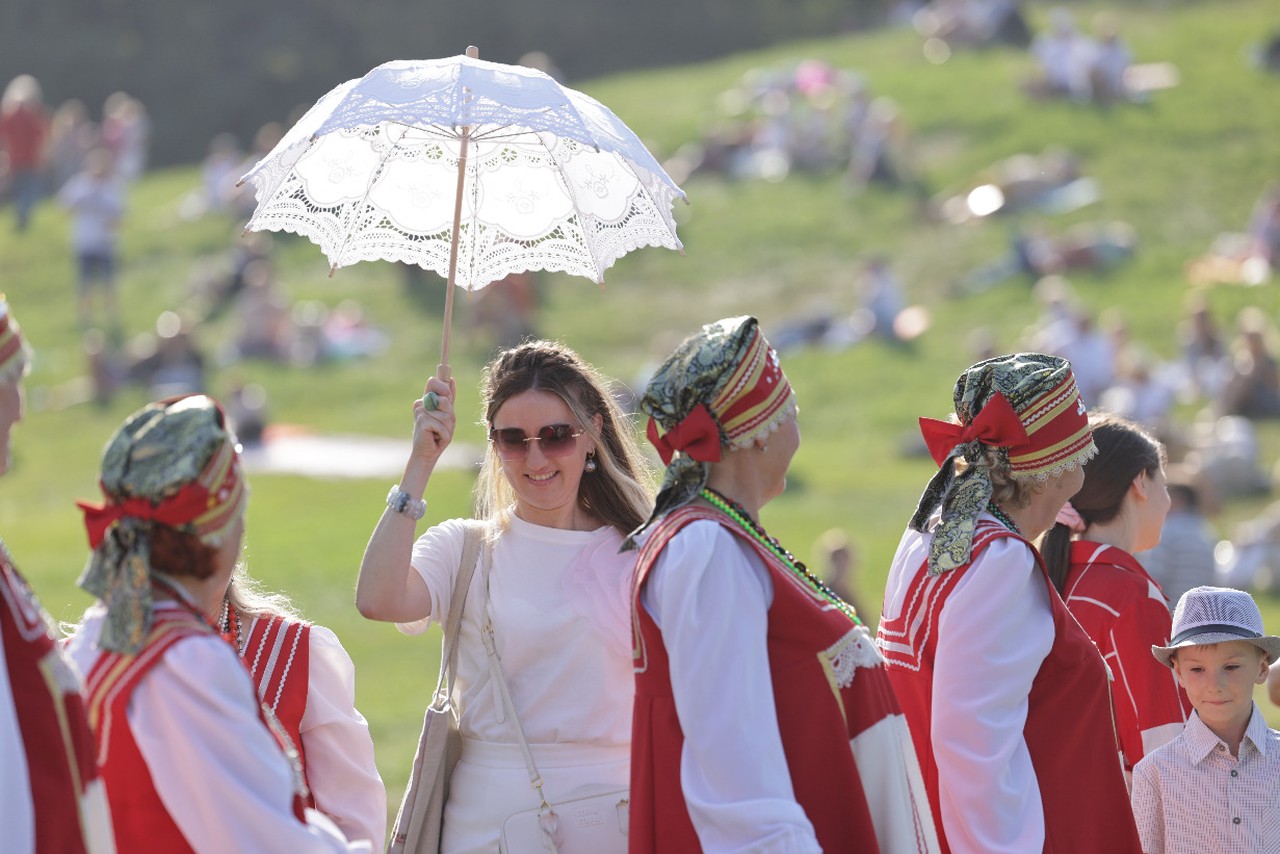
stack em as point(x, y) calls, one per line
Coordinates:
point(412, 819)
point(474, 537)
point(504, 691)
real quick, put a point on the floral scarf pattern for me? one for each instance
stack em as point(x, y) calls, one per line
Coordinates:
point(156, 455)
point(1025, 381)
point(723, 387)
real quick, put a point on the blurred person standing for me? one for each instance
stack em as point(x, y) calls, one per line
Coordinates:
point(51, 798)
point(1252, 388)
point(126, 131)
point(24, 133)
point(72, 135)
point(96, 199)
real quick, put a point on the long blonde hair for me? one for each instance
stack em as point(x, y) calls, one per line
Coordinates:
point(616, 493)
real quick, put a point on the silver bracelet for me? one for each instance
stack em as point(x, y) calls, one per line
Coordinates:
point(401, 502)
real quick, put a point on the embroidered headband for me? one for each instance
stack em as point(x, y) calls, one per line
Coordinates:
point(15, 354)
point(722, 387)
point(1028, 406)
point(174, 463)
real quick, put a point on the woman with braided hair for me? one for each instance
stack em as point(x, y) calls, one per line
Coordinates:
point(1007, 697)
point(764, 719)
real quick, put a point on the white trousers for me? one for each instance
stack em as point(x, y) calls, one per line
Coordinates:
point(491, 781)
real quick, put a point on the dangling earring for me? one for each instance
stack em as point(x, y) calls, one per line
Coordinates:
point(591, 464)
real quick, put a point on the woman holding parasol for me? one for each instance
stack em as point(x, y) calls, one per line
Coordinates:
point(561, 485)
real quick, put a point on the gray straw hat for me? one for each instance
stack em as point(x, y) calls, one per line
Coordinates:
point(1208, 615)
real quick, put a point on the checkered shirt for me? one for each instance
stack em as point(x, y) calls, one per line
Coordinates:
point(1192, 796)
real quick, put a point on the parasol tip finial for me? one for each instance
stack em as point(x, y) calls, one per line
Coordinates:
point(333, 268)
point(473, 51)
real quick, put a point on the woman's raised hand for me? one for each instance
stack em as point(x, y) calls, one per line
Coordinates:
point(433, 428)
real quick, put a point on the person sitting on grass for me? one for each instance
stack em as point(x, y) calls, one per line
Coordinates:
point(1213, 788)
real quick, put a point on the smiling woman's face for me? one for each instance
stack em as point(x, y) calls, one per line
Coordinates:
point(546, 487)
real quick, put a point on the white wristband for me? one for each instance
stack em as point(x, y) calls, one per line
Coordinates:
point(401, 502)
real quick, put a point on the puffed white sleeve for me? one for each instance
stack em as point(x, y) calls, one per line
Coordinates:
point(216, 767)
point(710, 597)
point(341, 771)
point(993, 634)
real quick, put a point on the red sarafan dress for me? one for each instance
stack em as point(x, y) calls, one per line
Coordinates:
point(277, 652)
point(53, 775)
point(835, 709)
point(141, 819)
point(1122, 608)
point(1068, 731)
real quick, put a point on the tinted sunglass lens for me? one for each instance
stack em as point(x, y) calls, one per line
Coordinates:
point(553, 440)
point(510, 441)
point(556, 438)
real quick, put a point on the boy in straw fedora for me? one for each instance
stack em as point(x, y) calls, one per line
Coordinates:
point(1216, 787)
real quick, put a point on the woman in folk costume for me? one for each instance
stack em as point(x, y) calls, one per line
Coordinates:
point(764, 719)
point(307, 681)
point(51, 799)
point(561, 485)
point(1089, 555)
point(190, 759)
point(1006, 695)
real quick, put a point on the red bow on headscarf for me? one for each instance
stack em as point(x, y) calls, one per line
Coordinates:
point(696, 435)
point(996, 425)
point(191, 501)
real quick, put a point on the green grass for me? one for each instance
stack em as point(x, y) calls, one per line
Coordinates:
point(1181, 169)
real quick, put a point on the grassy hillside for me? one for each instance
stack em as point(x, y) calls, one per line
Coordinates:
point(1180, 170)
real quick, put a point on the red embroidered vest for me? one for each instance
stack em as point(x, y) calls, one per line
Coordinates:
point(277, 653)
point(142, 823)
point(139, 816)
point(1069, 732)
point(820, 709)
point(51, 716)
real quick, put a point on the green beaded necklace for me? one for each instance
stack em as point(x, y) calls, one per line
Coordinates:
point(996, 510)
point(738, 513)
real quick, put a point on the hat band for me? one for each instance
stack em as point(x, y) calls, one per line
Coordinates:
point(1214, 628)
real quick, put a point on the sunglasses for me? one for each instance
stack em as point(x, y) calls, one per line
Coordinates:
point(555, 440)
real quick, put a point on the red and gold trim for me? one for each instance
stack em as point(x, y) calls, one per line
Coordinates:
point(1057, 425)
point(755, 393)
point(209, 504)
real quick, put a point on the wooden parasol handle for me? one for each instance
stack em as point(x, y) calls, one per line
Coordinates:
point(442, 370)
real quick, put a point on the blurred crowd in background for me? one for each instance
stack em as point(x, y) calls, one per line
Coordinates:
point(804, 117)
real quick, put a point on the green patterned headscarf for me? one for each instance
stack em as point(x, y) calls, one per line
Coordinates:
point(171, 463)
point(722, 388)
point(1028, 407)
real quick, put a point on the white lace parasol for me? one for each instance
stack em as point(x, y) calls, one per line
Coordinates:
point(550, 178)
